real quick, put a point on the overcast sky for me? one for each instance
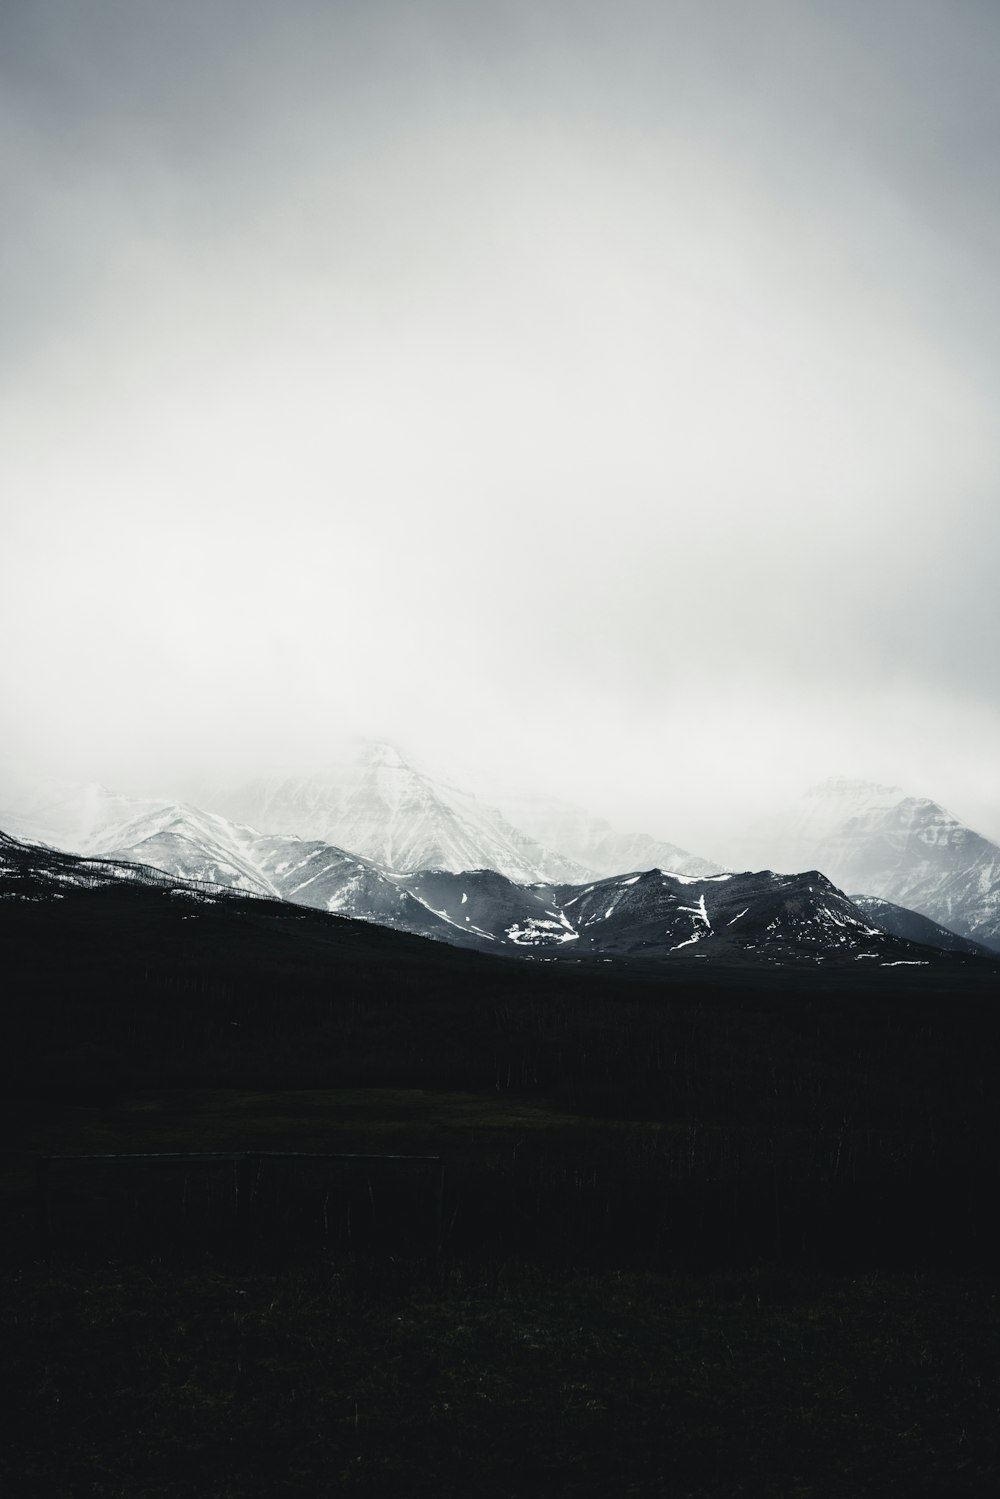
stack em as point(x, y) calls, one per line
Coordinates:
point(603, 395)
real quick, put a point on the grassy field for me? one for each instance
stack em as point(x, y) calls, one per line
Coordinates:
point(304, 1119)
point(218, 1383)
point(521, 1174)
point(214, 1374)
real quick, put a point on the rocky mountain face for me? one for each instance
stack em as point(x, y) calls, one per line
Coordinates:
point(903, 849)
point(659, 915)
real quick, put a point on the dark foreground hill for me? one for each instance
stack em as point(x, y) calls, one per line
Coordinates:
point(708, 1228)
point(823, 1112)
point(116, 972)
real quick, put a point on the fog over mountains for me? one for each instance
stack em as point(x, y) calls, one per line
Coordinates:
point(878, 841)
point(605, 398)
point(377, 839)
point(594, 843)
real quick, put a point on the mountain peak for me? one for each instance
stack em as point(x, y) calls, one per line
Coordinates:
point(380, 754)
point(381, 808)
point(843, 787)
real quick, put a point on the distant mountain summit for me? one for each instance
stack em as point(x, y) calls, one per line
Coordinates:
point(378, 806)
point(905, 849)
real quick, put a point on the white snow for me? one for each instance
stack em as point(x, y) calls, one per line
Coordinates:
point(535, 931)
point(700, 914)
point(687, 942)
point(451, 922)
point(699, 911)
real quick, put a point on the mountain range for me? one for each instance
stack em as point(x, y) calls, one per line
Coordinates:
point(366, 838)
point(763, 917)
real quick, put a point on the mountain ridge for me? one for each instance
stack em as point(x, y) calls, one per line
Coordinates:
point(651, 916)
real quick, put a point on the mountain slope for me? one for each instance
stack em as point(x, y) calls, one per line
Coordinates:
point(913, 927)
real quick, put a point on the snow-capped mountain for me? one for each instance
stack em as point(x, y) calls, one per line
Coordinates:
point(594, 843)
point(900, 848)
point(381, 808)
point(191, 845)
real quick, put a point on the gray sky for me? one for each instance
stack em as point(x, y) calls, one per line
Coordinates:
point(603, 396)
